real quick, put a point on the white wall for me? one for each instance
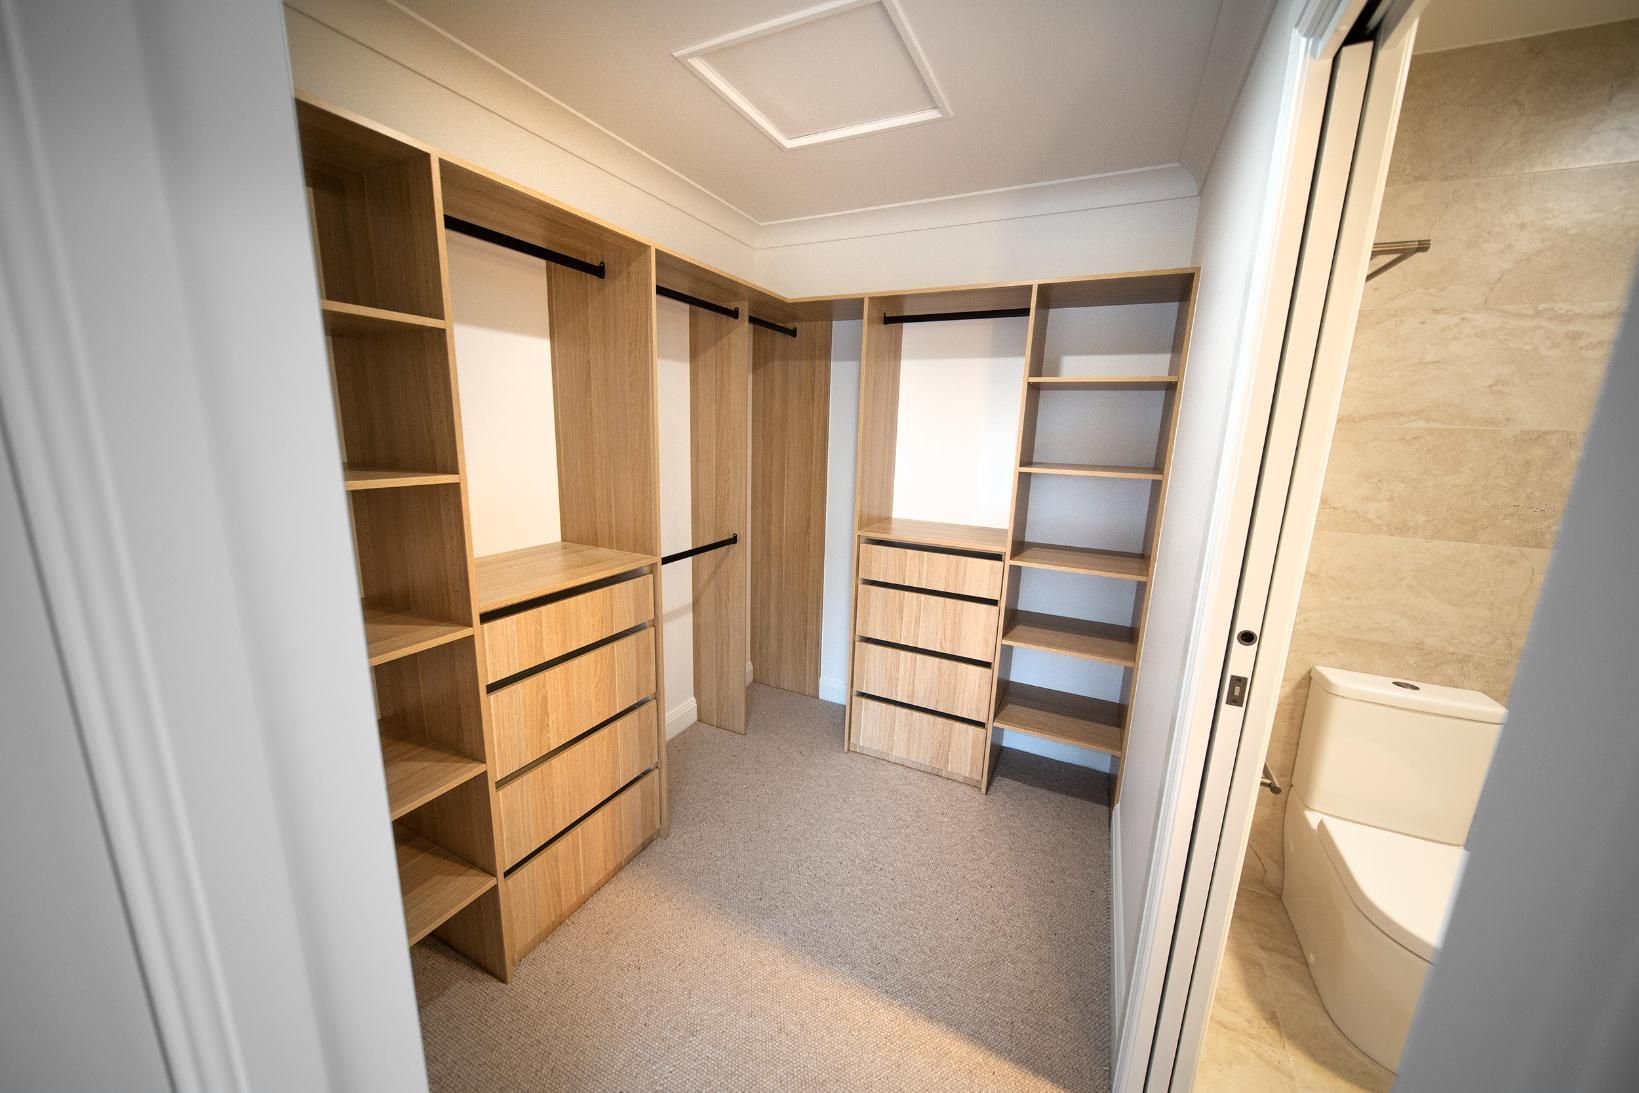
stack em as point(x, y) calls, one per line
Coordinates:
point(676, 512)
point(837, 598)
point(503, 356)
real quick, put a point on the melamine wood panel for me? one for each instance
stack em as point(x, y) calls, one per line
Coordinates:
point(549, 887)
point(938, 534)
point(952, 749)
point(926, 569)
point(518, 575)
point(550, 708)
point(547, 798)
point(516, 642)
point(949, 686)
point(790, 407)
point(435, 883)
point(945, 625)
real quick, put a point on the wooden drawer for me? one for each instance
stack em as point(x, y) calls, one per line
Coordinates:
point(548, 888)
point(934, 682)
point(925, 741)
point(940, 623)
point(537, 714)
point(928, 569)
point(547, 798)
point(516, 642)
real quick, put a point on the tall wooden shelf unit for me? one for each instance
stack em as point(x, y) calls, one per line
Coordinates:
point(937, 612)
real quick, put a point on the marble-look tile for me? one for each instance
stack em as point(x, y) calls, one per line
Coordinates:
point(1569, 99)
point(1558, 237)
point(1264, 867)
point(1499, 486)
point(1242, 1001)
point(1461, 597)
point(1519, 367)
point(1233, 1062)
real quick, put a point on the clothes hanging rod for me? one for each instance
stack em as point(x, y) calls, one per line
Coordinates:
point(788, 331)
point(692, 551)
point(695, 301)
point(522, 246)
point(1401, 246)
point(951, 316)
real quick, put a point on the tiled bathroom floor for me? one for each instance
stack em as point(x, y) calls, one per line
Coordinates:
point(1269, 1031)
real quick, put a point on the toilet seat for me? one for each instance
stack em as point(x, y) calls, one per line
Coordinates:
point(1403, 884)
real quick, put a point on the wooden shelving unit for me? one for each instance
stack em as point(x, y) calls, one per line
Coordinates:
point(417, 773)
point(1092, 470)
point(1065, 718)
point(435, 883)
point(1085, 560)
point(386, 478)
point(1071, 637)
point(931, 533)
point(392, 634)
point(1103, 383)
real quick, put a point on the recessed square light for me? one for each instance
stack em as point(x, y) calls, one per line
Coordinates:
point(839, 70)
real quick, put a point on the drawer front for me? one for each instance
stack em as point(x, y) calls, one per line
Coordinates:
point(548, 888)
point(945, 685)
point(537, 714)
point(960, 627)
point(927, 569)
point(548, 798)
point(953, 749)
point(517, 642)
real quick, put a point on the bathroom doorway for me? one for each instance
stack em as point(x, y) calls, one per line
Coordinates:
point(1474, 368)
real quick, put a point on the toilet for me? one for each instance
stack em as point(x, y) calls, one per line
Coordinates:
point(1388, 773)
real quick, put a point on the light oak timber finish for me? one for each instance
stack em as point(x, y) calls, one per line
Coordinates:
point(1084, 638)
point(942, 624)
point(719, 453)
point(933, 533)
point(435, 883)
point(383, 478)
point(955, 573)
point(790, 427)
point(548, 797)
point(1072, 559)
point(343, 319)
point(1104, 383)
point(393, 398)
point(416, 773)
point(925, 741)
point(515, 642)
point(389, 635)
point(935, 683)
point(1090, 470)
point(516, 576)
point(1065, 718)
point(550, 886)
point(552, 707)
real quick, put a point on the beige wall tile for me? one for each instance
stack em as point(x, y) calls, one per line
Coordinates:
point(1558, 100)
point(1519, 367)
point(1500, 486)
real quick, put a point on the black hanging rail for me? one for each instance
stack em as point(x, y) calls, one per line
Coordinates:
point(522, 246)
point(695, 301)
point(951, 316)
point(692, 551)
point(788, 331)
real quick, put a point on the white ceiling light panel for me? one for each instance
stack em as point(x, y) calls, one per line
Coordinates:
point(839, 70)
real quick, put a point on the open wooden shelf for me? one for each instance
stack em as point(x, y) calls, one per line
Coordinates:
point(1101, 641)
point(520, 575)
point(435, 883)
point(1092, 470)
point(1072, 559)
point(1104, 383)
point(933, 533)
point(417, 773)
point(394, 634)
point(356, 319)
point(1066, 718)
point(384, 478)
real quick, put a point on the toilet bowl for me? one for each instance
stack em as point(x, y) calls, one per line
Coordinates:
point(1387, 777)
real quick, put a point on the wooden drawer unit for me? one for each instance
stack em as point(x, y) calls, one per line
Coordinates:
point(950, 686)
point(952, 749)
point(548, 888)
point(959, 573)
point(516, 642)
point(550, 708)
point(940, 623)
point(547, 798)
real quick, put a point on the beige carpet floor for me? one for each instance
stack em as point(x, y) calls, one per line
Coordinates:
point(817, 920)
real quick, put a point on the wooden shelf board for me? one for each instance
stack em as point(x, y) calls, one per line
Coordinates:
point(1092, 470)
point(1101, 641)
point(933, 533)
point(1071, 559)
point(435, 883)
point(1103, 383)
point(417, 773)
point(519, 575)
point(382, 478)
point(1067, 718)
point(345, 319)
point(394, 634)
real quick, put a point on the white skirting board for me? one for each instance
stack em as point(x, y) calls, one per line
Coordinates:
point(1118, 933)
point(682, 716)
point(833, 690)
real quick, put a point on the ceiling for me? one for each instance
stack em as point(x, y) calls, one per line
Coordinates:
point(868, 103)
point(1452, 24)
